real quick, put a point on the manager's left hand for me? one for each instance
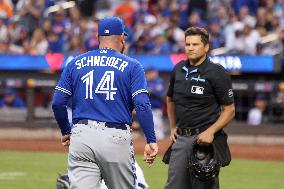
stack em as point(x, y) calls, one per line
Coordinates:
point(150, 153)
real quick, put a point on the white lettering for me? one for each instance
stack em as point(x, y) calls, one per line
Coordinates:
point(123, 65)
point(108, 61)
point(103, 61)
point(97, 60)
point(117, 63)
point(228, 62)
point(83, 63)
point(78, 64)
point(90, 60)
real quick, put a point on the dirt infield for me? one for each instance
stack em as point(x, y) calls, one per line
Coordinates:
point(244, 151)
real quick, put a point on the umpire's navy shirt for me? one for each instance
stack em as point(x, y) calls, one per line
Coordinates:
point(198, 93)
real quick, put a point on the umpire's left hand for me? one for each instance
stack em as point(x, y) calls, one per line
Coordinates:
point(150, 153)
point(205, 137)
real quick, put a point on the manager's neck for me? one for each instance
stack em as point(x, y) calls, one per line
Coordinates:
point(109, 42)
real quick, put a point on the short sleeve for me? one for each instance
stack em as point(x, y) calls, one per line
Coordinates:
point(138, 81)
point(170, 92)
point(222, 86)
point(65, 82)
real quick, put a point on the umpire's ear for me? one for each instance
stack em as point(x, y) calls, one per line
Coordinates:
point(207, 47)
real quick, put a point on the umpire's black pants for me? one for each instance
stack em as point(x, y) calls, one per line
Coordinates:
point(178, 174)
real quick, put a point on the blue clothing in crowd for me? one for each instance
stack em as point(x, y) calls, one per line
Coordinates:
point(156, 89)
point(16, 103)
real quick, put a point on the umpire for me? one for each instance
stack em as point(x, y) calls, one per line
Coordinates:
point(200, 103)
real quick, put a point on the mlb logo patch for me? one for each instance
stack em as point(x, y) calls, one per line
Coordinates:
point(197, 90)
point(106, 31)
point(230, 93)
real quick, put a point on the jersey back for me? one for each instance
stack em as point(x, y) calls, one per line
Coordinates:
point(102, 84)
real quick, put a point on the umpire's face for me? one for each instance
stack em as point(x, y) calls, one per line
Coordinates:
point(195, 48)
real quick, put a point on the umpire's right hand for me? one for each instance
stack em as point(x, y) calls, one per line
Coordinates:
point(150, 153)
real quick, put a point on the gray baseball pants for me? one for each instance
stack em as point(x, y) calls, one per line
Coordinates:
point(178, 174)
point(97, 152)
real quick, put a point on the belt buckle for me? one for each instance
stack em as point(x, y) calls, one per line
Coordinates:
point(188, 132)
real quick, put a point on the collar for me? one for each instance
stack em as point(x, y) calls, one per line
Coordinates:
point(106, 48)
point(201, 67)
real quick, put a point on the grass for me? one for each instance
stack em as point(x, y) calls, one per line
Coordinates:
point(28, 170)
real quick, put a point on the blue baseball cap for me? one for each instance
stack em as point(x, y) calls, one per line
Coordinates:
point(111, 26)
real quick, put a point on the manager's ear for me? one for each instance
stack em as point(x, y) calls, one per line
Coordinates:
point(122, 37)
point(98, 37)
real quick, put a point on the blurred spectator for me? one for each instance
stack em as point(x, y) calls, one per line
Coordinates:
point(75, 46)
point(195, 20)
point(38, 44)
point(125, 11)
point(140, 13)
point(11, 99)
point(182, 11)
point(224, 14)
point(245, 16)
point(235, 38)
point(55, 43)
point(6, 9)
point(87, 7)
point(156, 91)
point(199, 6)
point(30, 13)
point(19, 41)
point(56, 37)
point(175, 37)
point(255, 115)
point(3, 29)
point(59, 23)
point(251, 4)
point(46, 26)
point(91, 42)
point(73, 27)
point(251, 38)
point(163, 8)
point(217, 38)
point(162, 46)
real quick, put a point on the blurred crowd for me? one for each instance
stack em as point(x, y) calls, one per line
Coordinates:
point(37, 27)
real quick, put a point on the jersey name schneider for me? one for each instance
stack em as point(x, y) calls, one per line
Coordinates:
point(115, 62)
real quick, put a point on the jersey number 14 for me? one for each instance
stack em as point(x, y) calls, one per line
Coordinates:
point(105, 85)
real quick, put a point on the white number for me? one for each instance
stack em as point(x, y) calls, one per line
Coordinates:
point(105, 85)
point(88, 79)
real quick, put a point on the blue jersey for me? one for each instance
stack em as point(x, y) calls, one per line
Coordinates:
point(102, 84)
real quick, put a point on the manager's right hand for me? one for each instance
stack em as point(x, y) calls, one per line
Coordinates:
point(65, 140)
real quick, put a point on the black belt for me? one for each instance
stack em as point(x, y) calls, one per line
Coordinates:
point(190, 131)
point(107, 124)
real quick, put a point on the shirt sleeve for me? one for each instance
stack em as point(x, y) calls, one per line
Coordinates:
point(65, 83)
point(138, 81)
point(222, 86)
point(170, 92)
